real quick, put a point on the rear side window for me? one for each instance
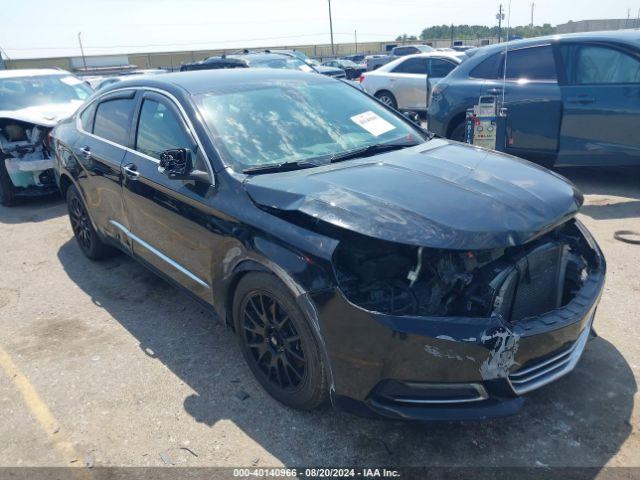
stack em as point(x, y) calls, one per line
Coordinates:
point(489, 68)
point(112, 120)
point(535, 63)
point(595, 64)
point(159, 129)
point(412, 65)
point(440, 68)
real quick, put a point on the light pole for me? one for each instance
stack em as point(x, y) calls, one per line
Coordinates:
point(533, 6)
point(84, 61)
point(500, 17)
point(333, 51)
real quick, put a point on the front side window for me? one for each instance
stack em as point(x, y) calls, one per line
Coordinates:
point(595, 64)
point(535, 63)
point(159, 129)
point(112, 120)
point(273, 122)
point(17, 93)
point(412, 65)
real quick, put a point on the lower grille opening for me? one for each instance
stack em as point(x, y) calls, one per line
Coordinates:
point(427, 393)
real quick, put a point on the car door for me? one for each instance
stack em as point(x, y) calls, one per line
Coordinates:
point(169, 218)
point(601, 101)
point(408, 83)
point(533, 100)
point(437, 69)
point(99, 150)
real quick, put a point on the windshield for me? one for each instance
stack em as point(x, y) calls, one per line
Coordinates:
point(293, 121)
point(22, 92)
point(348, 63)
point(289, 63)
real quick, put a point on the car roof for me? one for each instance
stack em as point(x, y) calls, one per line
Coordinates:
point(455, 56)
point(203, 81)
point(32, 72)
point(628, 36)
point(261, 56)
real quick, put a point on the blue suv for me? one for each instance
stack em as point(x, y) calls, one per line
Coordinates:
point(571, 99)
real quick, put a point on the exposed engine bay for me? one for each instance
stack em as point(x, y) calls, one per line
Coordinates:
point(25, 151)
point(515, 282)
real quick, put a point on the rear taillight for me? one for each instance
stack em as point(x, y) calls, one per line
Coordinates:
point(361, 79)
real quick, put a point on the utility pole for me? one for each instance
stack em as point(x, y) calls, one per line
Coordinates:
point(333, 51)
point(452, 35)
point(533, 6)
point(84, 61)
point(500, 18)
point(355, 38)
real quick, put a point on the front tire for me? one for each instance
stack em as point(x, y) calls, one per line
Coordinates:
point(86, 236)
point(278, 343)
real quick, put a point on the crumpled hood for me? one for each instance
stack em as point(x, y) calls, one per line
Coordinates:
point(45, 115)
point(440, 194)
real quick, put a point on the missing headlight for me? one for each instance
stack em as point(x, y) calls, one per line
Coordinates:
point(514, 283)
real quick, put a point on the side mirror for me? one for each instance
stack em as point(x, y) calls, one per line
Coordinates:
point(177, 164)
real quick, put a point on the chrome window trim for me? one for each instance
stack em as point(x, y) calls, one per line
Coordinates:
point(159, 254)
point(172, 99)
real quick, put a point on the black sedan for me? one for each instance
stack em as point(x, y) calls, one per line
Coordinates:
point(355, 257)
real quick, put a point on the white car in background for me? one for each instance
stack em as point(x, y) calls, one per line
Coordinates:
point(402, 83)
point(32, 102)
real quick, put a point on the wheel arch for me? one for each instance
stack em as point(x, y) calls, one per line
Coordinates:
point(455, 121)
point(248, 266)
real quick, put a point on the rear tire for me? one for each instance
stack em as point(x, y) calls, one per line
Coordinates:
point(86, 236)
point(387, 98)
point(459, 133)
point(8, 196)
point(278, 343)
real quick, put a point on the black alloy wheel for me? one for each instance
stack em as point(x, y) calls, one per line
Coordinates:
point(80, 223)
point(273, 341)
point(278, 343)
point(88, 240)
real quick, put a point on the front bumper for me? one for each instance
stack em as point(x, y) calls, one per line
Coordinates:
point(451, 368)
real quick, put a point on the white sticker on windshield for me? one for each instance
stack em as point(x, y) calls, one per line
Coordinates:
point(71, 80)
point(372, 123)
point(306, 68)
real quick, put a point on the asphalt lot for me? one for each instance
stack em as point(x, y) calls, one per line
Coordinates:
point(106, 364)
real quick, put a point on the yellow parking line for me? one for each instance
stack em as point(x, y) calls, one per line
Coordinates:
point(40, 411)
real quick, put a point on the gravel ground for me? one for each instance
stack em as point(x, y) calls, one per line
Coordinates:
point(112, 366)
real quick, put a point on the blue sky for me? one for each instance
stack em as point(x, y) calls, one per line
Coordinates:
point(34, 28)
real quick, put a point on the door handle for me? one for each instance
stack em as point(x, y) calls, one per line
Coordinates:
point(86, 152)
point(131, 171)
point(582, 99)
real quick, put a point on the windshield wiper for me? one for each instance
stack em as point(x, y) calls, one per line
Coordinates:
point(324, 160)
point(282, 167)
point(370, 150)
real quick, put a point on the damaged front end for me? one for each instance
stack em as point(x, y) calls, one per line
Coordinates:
point(26, 157)
point(453, 334)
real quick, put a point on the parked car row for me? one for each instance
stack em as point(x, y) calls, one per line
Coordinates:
point(355, 256)
point(405, 83)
